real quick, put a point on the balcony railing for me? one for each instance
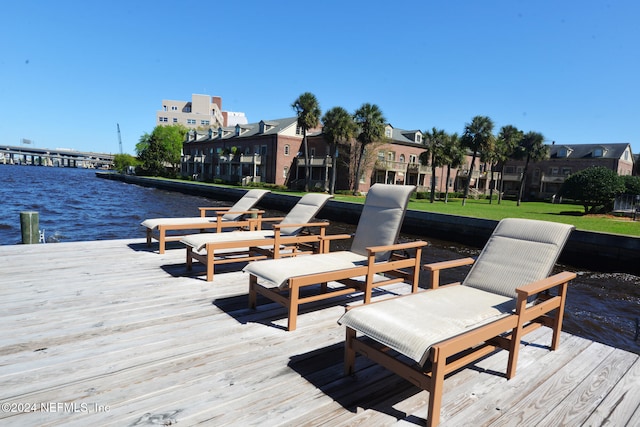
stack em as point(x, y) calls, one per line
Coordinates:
point(316, 161)
point(390, 165)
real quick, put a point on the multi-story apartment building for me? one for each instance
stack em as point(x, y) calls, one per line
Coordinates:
point(202, 112)
point(271, 151)
point(544, 178)
point(255, 152)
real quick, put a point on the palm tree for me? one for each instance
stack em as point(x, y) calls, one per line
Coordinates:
point(508, 140)
point(308, 111)
point(453, 157)
point(478, 138)
point(531, 147)
point(338, 128)
point(370, 122)
point(434, 142)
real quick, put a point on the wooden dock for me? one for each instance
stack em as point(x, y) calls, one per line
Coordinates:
point(112, 333)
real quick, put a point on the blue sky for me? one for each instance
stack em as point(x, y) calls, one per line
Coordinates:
point(70, 71)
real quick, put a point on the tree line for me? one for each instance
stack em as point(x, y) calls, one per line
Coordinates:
point(356, 133)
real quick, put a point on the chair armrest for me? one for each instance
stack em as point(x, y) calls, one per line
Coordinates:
point(203, 211)
point(257, 212)
point(534, 288)
point(435, 267)
point(273, 219)
point(337, 236)
point(306, 224)
point(443, 265)
point(396, 247)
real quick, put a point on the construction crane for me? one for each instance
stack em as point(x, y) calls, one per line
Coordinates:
point(119, 137)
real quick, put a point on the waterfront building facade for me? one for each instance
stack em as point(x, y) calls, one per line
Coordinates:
point(202, 112)
point(271, 151)
point(544, 178)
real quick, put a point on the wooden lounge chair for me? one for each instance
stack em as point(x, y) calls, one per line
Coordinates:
point(360, 269)
point(235, 216)
point(291, 236)
point(504, 296)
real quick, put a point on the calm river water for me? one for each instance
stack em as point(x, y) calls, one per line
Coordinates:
point(75, 205)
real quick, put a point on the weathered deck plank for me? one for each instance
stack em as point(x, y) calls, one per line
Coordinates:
point(111, 323)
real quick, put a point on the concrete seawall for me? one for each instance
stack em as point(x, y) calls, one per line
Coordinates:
point(592, 250)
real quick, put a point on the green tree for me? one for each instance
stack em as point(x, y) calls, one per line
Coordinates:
point(338, 129)
point(593, 187)
point(531, 148)
point(433, 142)
point(631, 184)
point(477, 138)
point(508, 140)
point(453, 156)
point(161, 148)
point(121, 162)
point(308, 111)
point(371, 123)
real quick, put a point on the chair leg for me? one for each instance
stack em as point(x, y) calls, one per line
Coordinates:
point(514, 349)
point(253, 282)
point(161, 239)
point(349, 352)
point(557, 324)
point(149, 235)
point(189, 258)
point(437, 386)
point(294, 292)
point(210, 261)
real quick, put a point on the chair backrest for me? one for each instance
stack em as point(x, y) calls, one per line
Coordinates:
point(246, 202)
point(381, 218)
point(519, 251)
point(307, 207)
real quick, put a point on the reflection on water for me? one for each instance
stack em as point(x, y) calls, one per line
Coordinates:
point(75, 205)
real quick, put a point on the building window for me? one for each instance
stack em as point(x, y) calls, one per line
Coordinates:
point(413, 158)
point(401, 158)
point(174, 108)
point(175, 120)
point(313, 152)
point(566, 171)
point(387, 133)
point(419, 138)
point(162, 119)
point(298, 130)
point(191, 121)
point(287, 149)
point(381, 156)
point(598, 152)
point(285, 171)
point(204, 122)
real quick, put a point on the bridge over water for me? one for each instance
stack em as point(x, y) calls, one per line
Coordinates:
point(59, 157)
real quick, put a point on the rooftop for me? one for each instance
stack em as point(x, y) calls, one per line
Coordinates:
point(113, 333)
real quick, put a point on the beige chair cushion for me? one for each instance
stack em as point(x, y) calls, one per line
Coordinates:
point(155, 222)
point(246, 202)
point(519, 251)
point(381, 218)
point(199, 241)
point(278, 271)
point(411, 324)
point(303, 211)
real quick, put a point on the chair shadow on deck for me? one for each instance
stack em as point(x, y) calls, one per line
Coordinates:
point(197, 273)
point(371, 388)
point(271, 314)
point(142, 246)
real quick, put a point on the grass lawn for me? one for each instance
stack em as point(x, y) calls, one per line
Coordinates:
point(481, 208)
point(565, 213)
